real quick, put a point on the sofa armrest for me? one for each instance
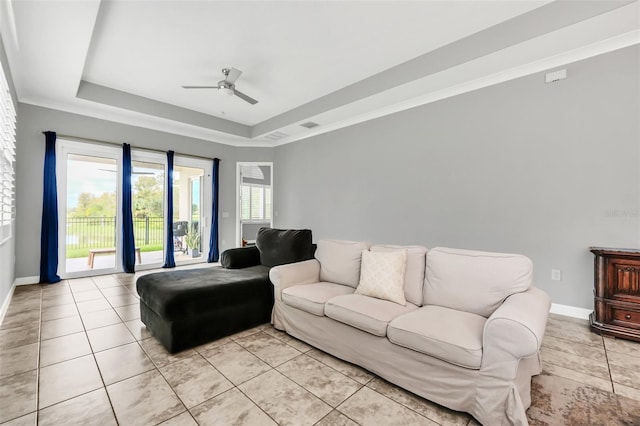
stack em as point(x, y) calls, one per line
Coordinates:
point(238, 258)
point(283, 276)
point(516, 328)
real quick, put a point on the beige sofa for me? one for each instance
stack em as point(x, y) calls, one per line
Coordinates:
point(468, 336)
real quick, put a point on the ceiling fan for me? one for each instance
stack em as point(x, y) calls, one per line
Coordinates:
point(227, 86)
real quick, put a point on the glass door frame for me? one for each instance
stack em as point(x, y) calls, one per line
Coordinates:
point(206, 205)
point(145, 156)
point(64, 147)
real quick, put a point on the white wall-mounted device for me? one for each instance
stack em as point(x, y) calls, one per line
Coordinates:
point(552, 77)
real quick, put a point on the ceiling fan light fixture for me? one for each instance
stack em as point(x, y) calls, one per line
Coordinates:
point(226, 90)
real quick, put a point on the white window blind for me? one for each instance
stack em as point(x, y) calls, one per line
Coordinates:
point(7, 159)
point(256, 203)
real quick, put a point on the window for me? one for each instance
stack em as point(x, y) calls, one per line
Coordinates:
point(256, 202)
point(7, 159)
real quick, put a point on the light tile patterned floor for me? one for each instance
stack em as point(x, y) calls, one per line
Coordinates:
point(76, 353)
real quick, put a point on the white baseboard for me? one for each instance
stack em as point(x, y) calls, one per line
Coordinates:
point(570, 311)
point(5, 304)
point(27, 280)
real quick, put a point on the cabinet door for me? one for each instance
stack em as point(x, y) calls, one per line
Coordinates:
point(623, 281)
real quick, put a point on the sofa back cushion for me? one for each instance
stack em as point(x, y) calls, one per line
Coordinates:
point(340, 261)
point(474, 281)
point(414, 273)
point(280, 246)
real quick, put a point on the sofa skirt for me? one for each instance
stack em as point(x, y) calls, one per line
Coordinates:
point(490, 400)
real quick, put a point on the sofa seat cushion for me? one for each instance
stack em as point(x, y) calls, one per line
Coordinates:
point(366, 313)
point(312, 297)
point(447, 334)
point(180, 294)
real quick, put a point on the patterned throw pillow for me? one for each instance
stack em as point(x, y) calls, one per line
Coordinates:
point(382, 275)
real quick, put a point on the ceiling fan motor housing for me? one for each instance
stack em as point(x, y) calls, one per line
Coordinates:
point(226, 87)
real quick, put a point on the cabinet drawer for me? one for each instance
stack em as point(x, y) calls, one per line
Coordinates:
point(624, 317)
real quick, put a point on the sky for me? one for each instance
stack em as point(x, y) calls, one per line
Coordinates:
point(95, 178)
point(83, 176)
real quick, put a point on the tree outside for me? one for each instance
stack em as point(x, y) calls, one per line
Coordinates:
point(148, 196)
point(92, 222)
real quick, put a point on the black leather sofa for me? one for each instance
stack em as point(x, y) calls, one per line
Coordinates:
point(187, 308)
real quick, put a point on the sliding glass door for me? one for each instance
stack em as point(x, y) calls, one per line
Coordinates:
point(88, 192)
point(191, 216)
point(90, 199)
point(148, 194)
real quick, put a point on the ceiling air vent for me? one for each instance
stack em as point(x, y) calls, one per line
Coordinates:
point(309, 124)
point(276, 135)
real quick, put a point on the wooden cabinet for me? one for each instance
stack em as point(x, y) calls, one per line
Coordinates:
point(616, 293)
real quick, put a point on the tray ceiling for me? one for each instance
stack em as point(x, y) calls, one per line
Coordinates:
point(332, 63)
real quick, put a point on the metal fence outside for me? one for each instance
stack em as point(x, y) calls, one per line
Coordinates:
point(100, 232)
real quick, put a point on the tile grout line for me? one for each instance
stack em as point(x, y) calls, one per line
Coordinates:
point(320, 361)
point(606, 357)
point(400, 403)
point(254, 402)
point(348, 398)
point(576, 370)
point(95, 360)
point(70, 359)
point(38, 362)
point(174, 392)
point(271, 368)
point(234, 386)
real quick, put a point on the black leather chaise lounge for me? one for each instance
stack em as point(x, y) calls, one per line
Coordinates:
point(183, 309)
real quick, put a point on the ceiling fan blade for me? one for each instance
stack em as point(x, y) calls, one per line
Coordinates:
point(234, 74)
point(133, 173)
point(199, 87)
point(245, 97)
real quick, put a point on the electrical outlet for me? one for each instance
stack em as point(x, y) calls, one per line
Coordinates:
point(556, 275)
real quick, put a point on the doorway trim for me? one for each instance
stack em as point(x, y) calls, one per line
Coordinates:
point(64, 147)
point(239, 165)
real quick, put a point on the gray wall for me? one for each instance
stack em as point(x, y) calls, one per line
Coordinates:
point(546, 170)
point(30, 154)
point(7, 249)
point(543, 170)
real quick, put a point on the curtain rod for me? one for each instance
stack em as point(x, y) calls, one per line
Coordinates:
point(97, 141)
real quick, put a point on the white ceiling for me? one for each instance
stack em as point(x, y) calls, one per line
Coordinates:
point(334, 63)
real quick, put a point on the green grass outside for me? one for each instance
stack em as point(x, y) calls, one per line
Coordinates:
point(96, 234)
